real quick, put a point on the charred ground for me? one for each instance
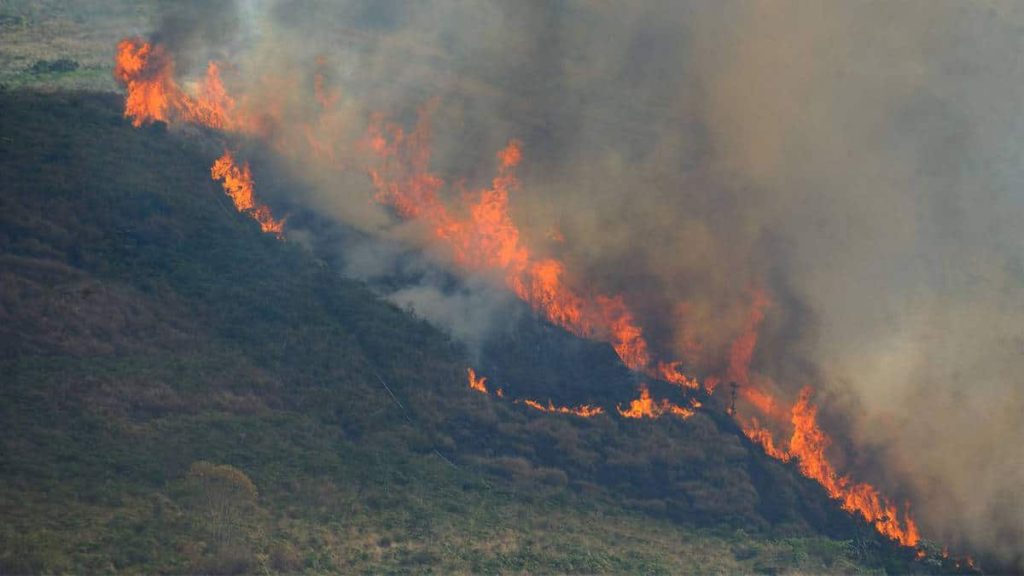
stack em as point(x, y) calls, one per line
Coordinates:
point(159, 353)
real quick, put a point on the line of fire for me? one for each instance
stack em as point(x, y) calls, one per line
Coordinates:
point(480, 235)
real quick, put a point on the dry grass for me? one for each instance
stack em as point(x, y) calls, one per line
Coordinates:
point(47, 30)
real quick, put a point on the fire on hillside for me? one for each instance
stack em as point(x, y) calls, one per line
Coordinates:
point(480, 235)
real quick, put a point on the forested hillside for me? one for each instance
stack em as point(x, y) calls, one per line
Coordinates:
point(181, 392)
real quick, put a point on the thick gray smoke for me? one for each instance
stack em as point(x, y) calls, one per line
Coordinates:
point(862, 161)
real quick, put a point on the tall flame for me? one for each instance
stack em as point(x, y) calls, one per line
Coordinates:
point(487, 239)
point(807, 445)
point(481, 235)
point(152, 93)
point(757, 433)
point(148, 77)
point(475, 383)
point(237, 183)
point(742, 349)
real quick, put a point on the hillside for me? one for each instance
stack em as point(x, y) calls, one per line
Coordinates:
point(181, 392)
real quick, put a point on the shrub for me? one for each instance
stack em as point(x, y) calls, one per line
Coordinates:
point(59, 65)
point(223, 503)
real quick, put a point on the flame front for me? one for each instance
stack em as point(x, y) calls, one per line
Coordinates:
point(153, 95)
point(584, 411)
point(646, 407)
point(762, 436)
point(481, 235)
point(147, 74)
point(807, 445)
point(479, 383)
point(237, 183)
point(487, 239)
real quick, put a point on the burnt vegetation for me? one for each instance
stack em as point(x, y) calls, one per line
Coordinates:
point(181, 392)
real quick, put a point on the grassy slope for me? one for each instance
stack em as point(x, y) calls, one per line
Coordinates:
point(82, 31)
point(144, 325)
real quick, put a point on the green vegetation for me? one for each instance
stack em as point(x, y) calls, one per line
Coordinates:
point(181, 392)
point(55, 44)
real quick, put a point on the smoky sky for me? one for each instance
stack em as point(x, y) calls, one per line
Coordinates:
point(861, 161)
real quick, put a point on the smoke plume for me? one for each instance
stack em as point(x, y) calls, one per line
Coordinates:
point(859, 163)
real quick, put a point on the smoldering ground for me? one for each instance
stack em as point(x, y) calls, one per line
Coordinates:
point(861, 161)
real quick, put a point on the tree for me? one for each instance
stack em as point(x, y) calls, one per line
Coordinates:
point(225, 509)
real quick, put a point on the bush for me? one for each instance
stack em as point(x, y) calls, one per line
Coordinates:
point(57, 66)
point(225, 514)
point(285, 558)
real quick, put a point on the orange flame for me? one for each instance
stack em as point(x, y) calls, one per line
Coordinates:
point(807, 446)
point(808, 442)
point(478, 384)
point(147, 74)
point(742, 349)
point(152, 94)
point(237, 183)
point(584, 411)
point(647, 407)
point(763, 401)
point(482, 235)
point(488, 239)
point(762, 436)
point(672, 372)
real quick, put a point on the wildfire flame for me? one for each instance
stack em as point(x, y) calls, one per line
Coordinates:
point(147, 75)
point(742, 349)
point(152, 93)
point(481, 235)
point(584, 411)
point(646, 407)
point(487, 239)
point(237, 183)
point(479, 383)
point(642, 407)
point(673, 372)
point(762, 436)
point(807, 446)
